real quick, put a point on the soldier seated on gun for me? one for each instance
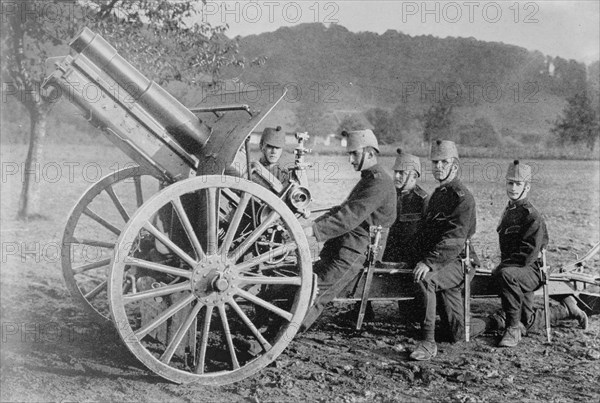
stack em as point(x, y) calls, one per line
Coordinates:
point(522, 234)
point(411, 201)
point(449, 221)
point(345, 228)
point(272, 143)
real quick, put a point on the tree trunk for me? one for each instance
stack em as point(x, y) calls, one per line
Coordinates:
point(29, 202)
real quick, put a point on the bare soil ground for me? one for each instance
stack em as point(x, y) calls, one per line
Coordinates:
point(52, 350)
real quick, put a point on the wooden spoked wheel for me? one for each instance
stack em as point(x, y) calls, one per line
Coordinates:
point(92, 230)
point(210, 310)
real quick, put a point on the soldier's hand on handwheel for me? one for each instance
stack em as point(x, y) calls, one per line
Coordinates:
point(421, 269)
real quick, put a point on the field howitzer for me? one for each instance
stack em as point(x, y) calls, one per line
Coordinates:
point(185, 276)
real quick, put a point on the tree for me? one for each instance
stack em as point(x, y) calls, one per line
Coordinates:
point(384, 125)
point(174, 48)
point(579, 122)
point(353, 122)
point(437, 120)
point(310, 115)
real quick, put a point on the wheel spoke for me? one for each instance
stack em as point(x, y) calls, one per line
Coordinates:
point(212, 221)
point(101, 221)
point(271, 280)
point(223, 315)
point(185, 220)
point(166, 314)
point(158, 267)
point(253, 237)
point(169, 244)
point(157, 292)
point(115, 199)
point(265, 304)
point(93, 242)
point(91, 266)
point(271, 254)
point(137, 180)
point(183, 328)
point(266, 345)
point(235, 223)
point(97, 290)
point(204, 341)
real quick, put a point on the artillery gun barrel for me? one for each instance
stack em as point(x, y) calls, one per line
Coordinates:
point(180, 122)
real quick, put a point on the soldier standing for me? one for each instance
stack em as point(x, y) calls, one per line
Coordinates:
point(450, 220)
point(522, 234)
point(345, 228)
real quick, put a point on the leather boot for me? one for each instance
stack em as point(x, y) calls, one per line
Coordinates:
point(575, 312)
point(512, 337)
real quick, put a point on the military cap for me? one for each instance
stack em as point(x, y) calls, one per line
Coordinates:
point(443, 150)
point(406, 162)
point(518, 172)
point(358, 139)
point(273, 137)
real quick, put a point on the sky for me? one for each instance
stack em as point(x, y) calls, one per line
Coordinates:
point(569, 29)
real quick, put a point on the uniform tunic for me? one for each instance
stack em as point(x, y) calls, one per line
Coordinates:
point(522, 234)
point(410, 214)
point(371, 202)
point(345, 231)
point(276, 170)
point(450, 219)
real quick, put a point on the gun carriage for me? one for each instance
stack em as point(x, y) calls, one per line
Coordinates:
point(182, 274)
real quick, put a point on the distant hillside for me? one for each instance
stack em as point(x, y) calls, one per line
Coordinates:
point(518, 92)
point(502, 95)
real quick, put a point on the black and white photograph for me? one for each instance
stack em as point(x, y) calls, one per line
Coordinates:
point(300, 201)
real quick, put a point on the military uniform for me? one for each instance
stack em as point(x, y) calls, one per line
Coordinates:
point(273, 137)
point(276, 171)
point(410, 213)
point(345, 231)
point(522, 234)
point(450, 219)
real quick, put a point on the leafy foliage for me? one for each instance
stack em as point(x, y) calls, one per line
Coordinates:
point(158, 37)
point(579, 122)
point(353, 122)
point(437, 121)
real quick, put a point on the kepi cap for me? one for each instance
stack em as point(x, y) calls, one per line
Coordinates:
point(407, 162)
point(443, 150)
point(273, 137)
point(358, 139)
point(518, 172)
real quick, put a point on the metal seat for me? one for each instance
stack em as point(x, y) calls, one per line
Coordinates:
point(378, 235)
point(544, 286)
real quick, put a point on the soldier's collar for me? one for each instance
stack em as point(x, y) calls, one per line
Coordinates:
point(450, 184)
point(513, 204)
point(370, 172)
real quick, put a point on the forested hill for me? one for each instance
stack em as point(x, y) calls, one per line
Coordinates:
point(511, 91)
point(314, 52)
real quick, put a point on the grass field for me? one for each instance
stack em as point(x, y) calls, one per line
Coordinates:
point(566, 192)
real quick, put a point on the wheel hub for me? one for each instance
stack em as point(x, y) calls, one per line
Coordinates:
point(212, 281)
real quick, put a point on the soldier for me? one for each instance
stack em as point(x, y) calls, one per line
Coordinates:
point(522, 234)
point(411, 202)
point(271, 146)
point(449, 221)
point(345, 228)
